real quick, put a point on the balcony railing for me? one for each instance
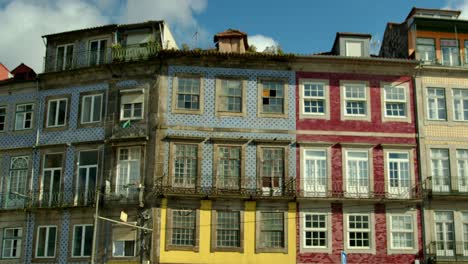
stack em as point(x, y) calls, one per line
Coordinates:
point(249, 188)
point(122, 194)
point(453, 185)
point(129, 129)
point(89, 58)
point(448, 250)
point(361, 189)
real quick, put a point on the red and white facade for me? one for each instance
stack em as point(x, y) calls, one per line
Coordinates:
point(358, 184)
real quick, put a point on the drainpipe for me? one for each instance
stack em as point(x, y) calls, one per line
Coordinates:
point(161, 28)
point(418, 149)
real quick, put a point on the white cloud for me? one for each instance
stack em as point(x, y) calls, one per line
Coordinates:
point(179, 14)
point(461, 5)
point(24, 22)
point(261, 42)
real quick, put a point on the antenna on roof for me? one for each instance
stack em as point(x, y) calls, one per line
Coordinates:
point(195, 37)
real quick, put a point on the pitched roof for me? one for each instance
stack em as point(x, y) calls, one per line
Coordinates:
point(231, 33)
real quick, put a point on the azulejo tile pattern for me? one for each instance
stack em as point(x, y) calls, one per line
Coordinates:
point(64, 239)
point(68, 174)
point(28, 250)
point(209, 118)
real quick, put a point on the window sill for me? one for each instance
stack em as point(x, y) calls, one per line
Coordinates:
point(187, 112)
point(272, 115)
point(271, 250)
point(221, 249)
point(182, 248)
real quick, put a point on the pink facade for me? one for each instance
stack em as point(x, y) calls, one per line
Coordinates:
point(376, 137)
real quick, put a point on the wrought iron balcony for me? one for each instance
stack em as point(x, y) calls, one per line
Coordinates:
point(122, 194)
point(129, 129)
point(247, 189)
point(447, 251)
point(360, 189)
point(90, 58)
point(447, 186)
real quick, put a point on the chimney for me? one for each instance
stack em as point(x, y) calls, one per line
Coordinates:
point(231, 40)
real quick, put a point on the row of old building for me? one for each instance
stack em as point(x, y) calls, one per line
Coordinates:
point(231, 156)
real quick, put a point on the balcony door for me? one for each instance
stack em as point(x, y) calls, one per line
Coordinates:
point(399, 175)
point(357, 173)
point(315, 172)
point(97, 52)
point(440, 170)
point(87, 176)
point(50, 185)
point(462, 166)
point(445, 236)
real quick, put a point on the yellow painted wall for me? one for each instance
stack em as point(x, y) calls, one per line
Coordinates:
point(248, 256)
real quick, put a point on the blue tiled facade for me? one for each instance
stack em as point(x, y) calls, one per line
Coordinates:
point(209, 119)
point(34, 141)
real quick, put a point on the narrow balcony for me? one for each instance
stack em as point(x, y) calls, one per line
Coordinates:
point(129, 129)
point(448, 251)
point(123, 194)
point(447, 186)
point(360, 189)
point(75, 59)
point(235, 188)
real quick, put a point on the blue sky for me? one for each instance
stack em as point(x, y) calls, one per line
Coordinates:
point(298, 26)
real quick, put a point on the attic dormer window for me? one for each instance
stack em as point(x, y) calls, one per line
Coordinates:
point(354, 48)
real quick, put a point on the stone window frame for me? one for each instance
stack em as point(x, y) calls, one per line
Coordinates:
point(172, 151)
point(33, 116)
point(406, 87)
point(3, 230)
point(5, 122)
point(463, 121)
point(235, 206)
point(315, 208)
point(451, 163)
point(219, 85)
point(396, 212)
point(412, 177)
point(326, 99)
point(131, 92)
point(72, 244)
point(182, 206)
point(277, 208)
point(370, 160)
point(175, 86)
point(36, 240)
point(358, 210)
point(66, 124)
point(243, 156)
point(368, 101)
point(259, 169)
point(426, 108)
point(455, 221)
point(286, 87)
point(81, 104)
point(328, 159)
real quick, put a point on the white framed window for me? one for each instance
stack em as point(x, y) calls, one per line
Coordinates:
point(462, 168)
point(3, 115)
point(313, 96)
point(425, 49)
point(64, 57)
point(315, 230)
point(355, 100)
point(354, 48)
point(91, 108)
point(398, 171)
point(440, 170)
point(51, 179)
point(87, 176)
point(357, 173)
point(45, 241)
point(402, 231)
point(436, 106)
point(359, 231)
point(131, 106)
point(82, 240)
point(123, 241)
point(315, 172)
point(97, 52)
point(460, 104)
point(17, 184)
point(450, 52)
point(12, 238)
point(57, 112)
point(465, 233)
point(128, 171)
point(188, 93)
point(445, 233)
point(24, 116)
point(395, 101)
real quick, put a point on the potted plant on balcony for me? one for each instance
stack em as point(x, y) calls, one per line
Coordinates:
point(118, 52)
